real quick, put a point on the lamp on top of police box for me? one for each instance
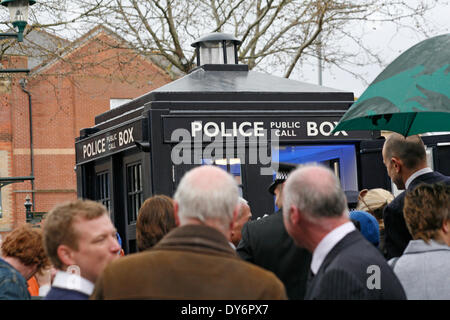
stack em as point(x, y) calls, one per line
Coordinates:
point(28, 204)
point(216, 48)
point(18, 11)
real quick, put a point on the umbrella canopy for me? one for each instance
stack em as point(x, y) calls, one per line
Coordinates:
point(410, 96)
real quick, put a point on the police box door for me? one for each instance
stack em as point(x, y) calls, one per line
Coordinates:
point(135, 188)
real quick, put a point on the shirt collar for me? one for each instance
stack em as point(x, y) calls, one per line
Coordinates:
point(70, 281)
point(328, 242)
point(415, 175)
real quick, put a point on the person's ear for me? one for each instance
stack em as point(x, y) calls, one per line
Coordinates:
point(235, 216)
point(446, 226)
point(66, 255)
point(397, 164)
point(176, 209)
point(294, 215)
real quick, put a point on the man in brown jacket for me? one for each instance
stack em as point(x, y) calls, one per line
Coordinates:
point(194, 260)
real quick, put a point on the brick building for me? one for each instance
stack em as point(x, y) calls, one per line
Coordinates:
point(88, 77)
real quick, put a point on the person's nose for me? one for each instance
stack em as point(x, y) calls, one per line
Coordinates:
point(115, 246)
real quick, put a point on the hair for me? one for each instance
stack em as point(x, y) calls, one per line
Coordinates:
point(319, 198)
point(426, 209)
point(242, 202)
point(374, 201)
point(58, 225)
point(411, 150)
point(155, 219)
point(25, 244)
point(207, 192)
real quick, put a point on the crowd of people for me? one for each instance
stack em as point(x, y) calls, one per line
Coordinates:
point(203, 243)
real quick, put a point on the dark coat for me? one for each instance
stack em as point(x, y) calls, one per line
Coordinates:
point(266, 243)
point(65, 294)
point(191, 262)
point(345, 273)
point(397, 235)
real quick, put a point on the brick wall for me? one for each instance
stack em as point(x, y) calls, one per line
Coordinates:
point(66, 96)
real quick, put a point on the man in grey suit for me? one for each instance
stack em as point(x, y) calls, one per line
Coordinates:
point(344, 264)
point(406, 164)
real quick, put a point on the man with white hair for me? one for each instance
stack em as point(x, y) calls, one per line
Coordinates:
point(243, 217)
point(195, 260)
point(344, 265)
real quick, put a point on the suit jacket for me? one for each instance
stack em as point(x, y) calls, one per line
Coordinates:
point(397, 235)
point(354, 269)
point(423, 270)
point(65, 294)
point(266, 243)
point(190, 262)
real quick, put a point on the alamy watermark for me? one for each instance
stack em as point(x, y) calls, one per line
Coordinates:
point(374, 280)
point(251, 145)
point(74, 279)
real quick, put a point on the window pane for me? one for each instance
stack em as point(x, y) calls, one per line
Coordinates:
point(102, 194)
point(134, 191)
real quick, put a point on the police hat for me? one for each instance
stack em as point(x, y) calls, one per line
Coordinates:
point(284, 169)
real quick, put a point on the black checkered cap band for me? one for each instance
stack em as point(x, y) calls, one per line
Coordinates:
point(282, 175)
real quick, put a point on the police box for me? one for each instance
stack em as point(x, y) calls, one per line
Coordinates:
point(225, 115)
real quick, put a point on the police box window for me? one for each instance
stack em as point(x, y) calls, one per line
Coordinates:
point(102, 189)
point(232, 166)
point(341, 158)
point(134, 190)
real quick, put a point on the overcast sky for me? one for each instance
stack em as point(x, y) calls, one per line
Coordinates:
point(389, 43)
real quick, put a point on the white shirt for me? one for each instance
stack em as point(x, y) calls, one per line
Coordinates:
point(65, 280)
point(328, 242)
point(415, 175)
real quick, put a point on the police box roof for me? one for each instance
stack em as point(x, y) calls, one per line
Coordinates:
point(223, 84)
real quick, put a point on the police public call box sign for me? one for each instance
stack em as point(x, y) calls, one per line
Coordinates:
point(102, 144)
point(283, 128)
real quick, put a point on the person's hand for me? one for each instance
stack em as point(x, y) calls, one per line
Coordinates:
point(45, 276)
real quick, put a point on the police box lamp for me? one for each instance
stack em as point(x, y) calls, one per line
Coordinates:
point(216, 48)
point(283, 169)
point(28, 204)
point(18, 10)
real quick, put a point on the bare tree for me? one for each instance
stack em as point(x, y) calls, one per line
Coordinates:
point(277, 34)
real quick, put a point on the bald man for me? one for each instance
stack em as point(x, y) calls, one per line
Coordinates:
point(195, 260)
point(406, 164)
point(344, 264)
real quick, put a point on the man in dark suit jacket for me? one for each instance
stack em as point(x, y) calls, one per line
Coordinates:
point(406, 164)
point(344, 264)
point(266, 243)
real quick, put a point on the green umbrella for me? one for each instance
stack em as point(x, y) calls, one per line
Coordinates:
point(411, 96)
